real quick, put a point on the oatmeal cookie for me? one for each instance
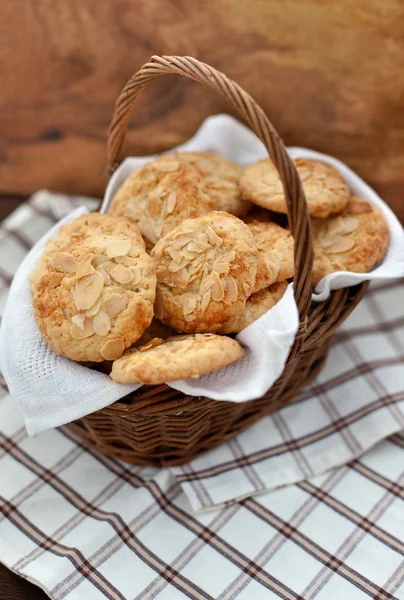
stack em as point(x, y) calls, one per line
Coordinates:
point(257, 305)
point(325, 190)
point(206, 270)
point(222, 177)
point(354, 240)
point(96, 298)
point(275, 247)
point(178, 357)
point(160, 195)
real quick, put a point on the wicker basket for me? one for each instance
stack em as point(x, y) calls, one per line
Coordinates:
point(161, 426)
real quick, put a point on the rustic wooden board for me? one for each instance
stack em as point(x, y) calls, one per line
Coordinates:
point(330, 75)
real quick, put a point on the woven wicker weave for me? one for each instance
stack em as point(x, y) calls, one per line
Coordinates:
point(159, 425)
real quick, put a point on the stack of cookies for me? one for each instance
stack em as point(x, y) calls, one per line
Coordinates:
point(192, 245)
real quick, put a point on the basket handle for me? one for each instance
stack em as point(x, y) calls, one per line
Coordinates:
point(192, 68)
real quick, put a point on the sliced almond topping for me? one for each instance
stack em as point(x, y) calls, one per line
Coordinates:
point(341, 245)
point(196, 247)
point(121, 274)
point(118, 248)
point(357, 207)
point(85, 268)
point(88, 290)
point(349, 225)
point(167, 167)
point(213, 237)
point(180, 279)
point(217, 287)
point(112, 349)
point(174, 266)
point(189, 305)
point(206, 284)
point(205, 300)
point(65, 262)
point(114, 304)
point(231, 290)
point(137, 274)
point(181, 241)
point(149, 175)
point(319, 172)
point(149, 232)
point(189, 318)
point(335, 226)
point(221, 267)
point(175, 254)
point(303, 173)
point(170, 203)
point(107, 278)
point(159, 305)
point(195, 266)
point(247, 289)
point(79, 320)
point(228, 257)
point(152, 344)
point(94, 309)
point(102, 323)
point(79, 333)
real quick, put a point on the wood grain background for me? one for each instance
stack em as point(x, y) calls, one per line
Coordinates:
point(330, 75)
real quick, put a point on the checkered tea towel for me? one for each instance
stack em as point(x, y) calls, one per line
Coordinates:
point(81, 525)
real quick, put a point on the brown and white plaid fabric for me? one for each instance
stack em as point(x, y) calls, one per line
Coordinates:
point(81, 525)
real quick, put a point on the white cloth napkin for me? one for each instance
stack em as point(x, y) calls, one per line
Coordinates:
point(53, 390)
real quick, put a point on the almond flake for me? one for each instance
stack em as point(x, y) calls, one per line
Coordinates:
point(65, 262)
point(152, 344)
point(213, 237)
point(94, 309)
point(167, 167)
point(170, 203)
point(85, 268)
point(206, 284)
point(180, 279)
point(189, 318)
point(333, 184)
point(335, 226)
point(197, 247)
point(175, 254)
point(121, 274)
point(181, 241)
point(231, 290)
point(81, 333)
point(79, 320)
point(189, 255)
point(88, 290)
point(342, 245)
point(349, 225)
point(221, 267)
point(107, 278)
point(357, 207)
point(195, 266)
point(114, 304)
point(102, 323)
point(137, 275)
point(174, 266)
point(118, 248)
point(217, 288)
point(228, 257)
point(112, 349)
point(205, 300)
point(189, 305)
point(149, 175)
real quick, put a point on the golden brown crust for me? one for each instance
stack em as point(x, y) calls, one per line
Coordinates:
point(95, 298)
point(206, 269)
point(160, 195)
point(257, 305)
point(355, 240)
point(179, 357)
point(221, 177)
point(275, 247)
point(325, 190)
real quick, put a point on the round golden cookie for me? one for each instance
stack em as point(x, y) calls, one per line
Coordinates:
point(354, 240)
point(83, 227)
point(221, 176)
point(275, 247)
point(206, 270)
point(96, 299)
point(257, 305)
point(178, 357)
point(325, 190)
point(160, 195)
